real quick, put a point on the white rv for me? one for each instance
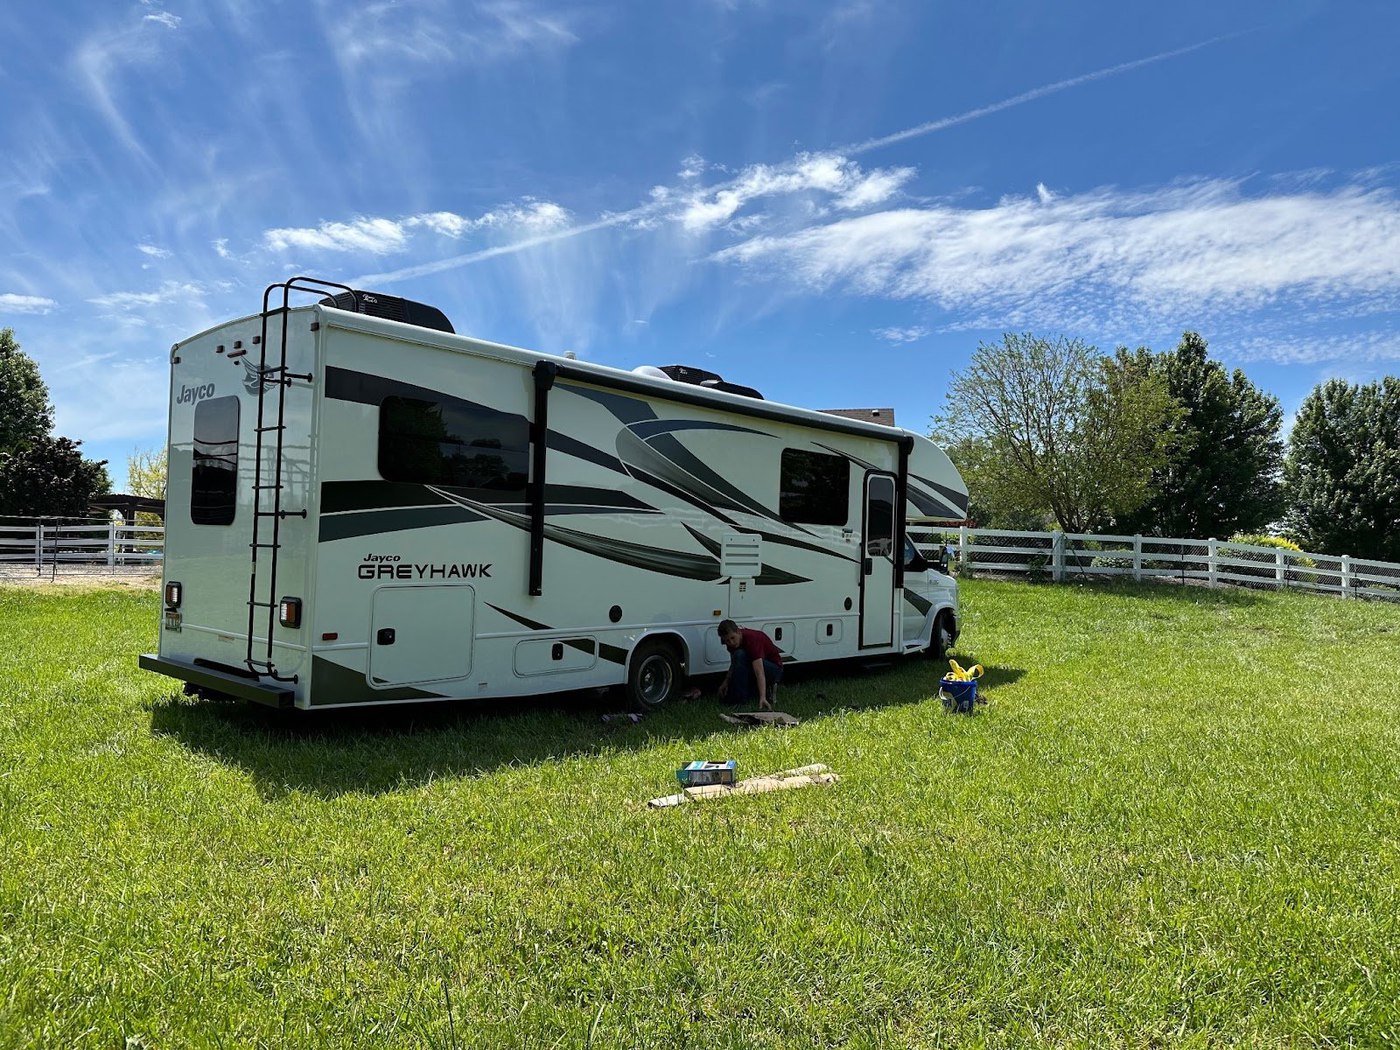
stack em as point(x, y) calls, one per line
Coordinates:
point(364, 507)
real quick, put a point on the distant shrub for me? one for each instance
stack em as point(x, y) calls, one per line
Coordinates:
point(1278, 543)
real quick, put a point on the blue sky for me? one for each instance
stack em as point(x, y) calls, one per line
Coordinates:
point(833, 202)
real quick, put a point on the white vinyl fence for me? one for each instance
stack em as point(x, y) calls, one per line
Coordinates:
point(56, 546)
point(1066, 555)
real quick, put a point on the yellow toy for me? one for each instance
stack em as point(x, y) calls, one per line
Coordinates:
point(957, 674)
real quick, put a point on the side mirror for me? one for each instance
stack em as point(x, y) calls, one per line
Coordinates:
point(918, 563)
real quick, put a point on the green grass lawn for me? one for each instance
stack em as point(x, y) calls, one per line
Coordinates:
point(1175, 824)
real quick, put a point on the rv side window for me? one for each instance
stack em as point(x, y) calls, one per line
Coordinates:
point(815, 488)
point(214, 480)
point(453, 443)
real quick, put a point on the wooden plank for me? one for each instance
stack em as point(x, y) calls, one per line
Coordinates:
point(786, 780)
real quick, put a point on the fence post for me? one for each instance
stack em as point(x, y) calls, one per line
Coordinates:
point(964, 555)
point(1278, 569)
point(1057, 556)
point(111, 544)
point(1212, 552)
point(1346, 576)
point(1137, 557)
point(39, 548)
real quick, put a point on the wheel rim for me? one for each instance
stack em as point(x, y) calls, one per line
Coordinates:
point(654, 679)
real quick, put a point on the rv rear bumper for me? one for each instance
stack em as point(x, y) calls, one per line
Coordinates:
point(219, 681)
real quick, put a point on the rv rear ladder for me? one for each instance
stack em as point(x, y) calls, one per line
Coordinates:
point(278, 376)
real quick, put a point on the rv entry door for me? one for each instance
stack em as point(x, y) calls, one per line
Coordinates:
point(877, 562)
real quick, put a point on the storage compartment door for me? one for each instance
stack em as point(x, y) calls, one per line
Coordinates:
point(421, 634)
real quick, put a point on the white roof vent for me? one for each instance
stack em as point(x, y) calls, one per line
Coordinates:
point(650, 371)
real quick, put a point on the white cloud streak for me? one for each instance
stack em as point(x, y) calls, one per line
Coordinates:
point(153, 251)
point(901, 335)
point(1186, 247)
point(1371, 347)
point(25, 304)
point(382, 236)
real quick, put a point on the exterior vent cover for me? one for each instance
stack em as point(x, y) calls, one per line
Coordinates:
point(741, 555)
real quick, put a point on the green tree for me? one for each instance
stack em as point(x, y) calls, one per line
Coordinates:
point(50, 476)
point(1055, 425)
point(25, 412)
point(1222, 473)
point(145, 476)
point(1342, 473)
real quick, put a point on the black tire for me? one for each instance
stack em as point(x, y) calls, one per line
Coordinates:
point(654, 675)
point(941, 642)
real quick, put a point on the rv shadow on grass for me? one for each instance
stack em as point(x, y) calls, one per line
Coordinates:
point(388, 749)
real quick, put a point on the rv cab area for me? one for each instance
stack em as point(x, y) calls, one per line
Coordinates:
point(364, 507)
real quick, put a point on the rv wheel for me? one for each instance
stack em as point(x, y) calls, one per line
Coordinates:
point(942, 641)
point(655, 673)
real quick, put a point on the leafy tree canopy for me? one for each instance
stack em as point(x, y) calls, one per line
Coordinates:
point(49, 476)
point(1342, 473)
point(25, 412)
point(1225, 453)
point(145, 476)
point(1054, 426)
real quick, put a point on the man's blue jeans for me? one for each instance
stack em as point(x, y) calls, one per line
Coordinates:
point(742, 686)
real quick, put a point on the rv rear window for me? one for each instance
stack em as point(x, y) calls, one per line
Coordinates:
point(453, 443)
point(815, 488)
point(214, 478)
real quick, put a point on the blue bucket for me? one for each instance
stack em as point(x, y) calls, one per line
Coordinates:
point(958, 697)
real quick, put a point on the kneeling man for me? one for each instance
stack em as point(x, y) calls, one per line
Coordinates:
point(755, 665)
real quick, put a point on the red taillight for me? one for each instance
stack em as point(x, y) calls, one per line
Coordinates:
point(173, 593)
point(289, 612)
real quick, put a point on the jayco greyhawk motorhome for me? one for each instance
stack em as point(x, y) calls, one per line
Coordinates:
point(364, 507)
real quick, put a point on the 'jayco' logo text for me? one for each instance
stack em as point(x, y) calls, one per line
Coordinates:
point(191, 394)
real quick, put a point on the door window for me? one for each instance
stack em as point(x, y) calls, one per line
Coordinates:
point(879, 518)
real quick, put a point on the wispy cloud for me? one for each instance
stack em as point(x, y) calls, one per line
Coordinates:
point(102, 58)
point(164, 18)
point(383, 236)
point(25, 304)
point(1189, 247)
point(901, 335)
point(423, 31)
point(1367, 347)
point(153, 251)
point(168, 292)
point(375, 236)
point(822, 173)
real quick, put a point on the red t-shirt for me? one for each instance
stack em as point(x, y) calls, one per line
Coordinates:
point(759, 646)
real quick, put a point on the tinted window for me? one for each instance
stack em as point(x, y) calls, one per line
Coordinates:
point(879, 517)
point(453, 443)
point(815, 488)
point(214, 479)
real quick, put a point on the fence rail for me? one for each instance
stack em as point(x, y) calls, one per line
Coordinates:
point(61, 546)
point(57, 546)
point(1066, 555)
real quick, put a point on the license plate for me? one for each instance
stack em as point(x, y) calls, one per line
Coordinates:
point(172, 619)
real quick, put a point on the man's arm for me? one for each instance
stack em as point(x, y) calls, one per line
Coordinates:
point(761, 679)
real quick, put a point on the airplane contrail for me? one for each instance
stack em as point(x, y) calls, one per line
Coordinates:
point(653, 207)
point(1025, 96)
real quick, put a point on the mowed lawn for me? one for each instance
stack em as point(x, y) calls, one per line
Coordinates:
point(1175, 824)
